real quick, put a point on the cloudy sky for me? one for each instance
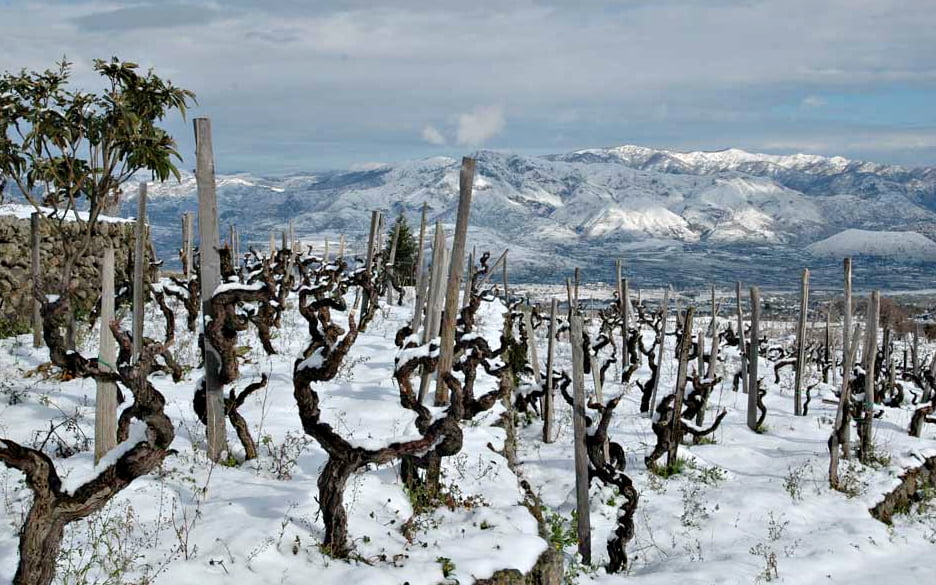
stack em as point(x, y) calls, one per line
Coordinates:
point(306, 85)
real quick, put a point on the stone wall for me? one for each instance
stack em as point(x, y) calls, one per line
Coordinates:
point(16, 271)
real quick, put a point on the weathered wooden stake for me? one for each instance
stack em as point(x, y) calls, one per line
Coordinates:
point(390, 264)
point(210, 278)
point(371, 239)
point(456, 266)
point(531, 345)
point(139, 268)
point(420, 271)
point(105, 404)
point(656, 381)
point(578, 426)
point(188, 239)
point(685, 344)
point(741, 348)
point(801, 346)
point(35, 240)
point(434, 299)
point(550, 355)
point(506, 290)
point(847, 311)
point(752, 360)
point(869, 358)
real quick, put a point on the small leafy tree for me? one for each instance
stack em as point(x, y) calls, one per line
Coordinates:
point(68, 149)
point(404, 264)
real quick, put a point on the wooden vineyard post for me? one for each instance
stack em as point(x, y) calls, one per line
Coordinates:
point(685, 344)
point(420, 271)
point(741, 351)
point(828, 353)
point(700, 354)
point(364, 299)
point(531, 344)
point(35, 239)
point(868, 359)
point(847, 311)
point(466, 295)
point(578, 426)
point(139, 267)
point(752, 360)
point(506, 290)
point(341, 246)
point(209, 280)
point(434, 300)
point(388, 263)
point(714, 322)
point(801, 346)
point(105, 404)
point(622, 309)
point(915, 352)
point(664, 308)
point(550, 355)
point(188, 237)
point(456, 266)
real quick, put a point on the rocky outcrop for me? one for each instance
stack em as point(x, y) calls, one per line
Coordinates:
point(16, 272)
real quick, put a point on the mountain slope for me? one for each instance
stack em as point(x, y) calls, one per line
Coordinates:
point(702, 215)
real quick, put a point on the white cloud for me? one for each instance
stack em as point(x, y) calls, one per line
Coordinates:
point(480, 125)
point(431, 135)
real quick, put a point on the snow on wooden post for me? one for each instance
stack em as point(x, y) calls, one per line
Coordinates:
point(550, 355)
point(531, 344)
point(685, 344)
point(664, 310)
point(752, 360)
point(139, 268)
point(741, 352)
point(35, 239)
point(801, 346)
point(456, 266)
point(105, 404)
point(578, 426)
point(434, 300)
point(341, 245)
point(868, 358)
point(420, 271)
point(210, 276)
point(915, 352)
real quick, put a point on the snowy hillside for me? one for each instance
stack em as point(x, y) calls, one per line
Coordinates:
point(556, 212)
point(908, 245)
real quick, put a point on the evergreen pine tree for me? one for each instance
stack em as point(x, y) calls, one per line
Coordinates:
point(404, 266)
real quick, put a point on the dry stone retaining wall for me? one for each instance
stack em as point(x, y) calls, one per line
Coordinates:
point(16, 271)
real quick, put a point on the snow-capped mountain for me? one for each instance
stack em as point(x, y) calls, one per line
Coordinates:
point(682, 217)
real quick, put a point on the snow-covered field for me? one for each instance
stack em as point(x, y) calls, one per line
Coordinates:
point(748, 508)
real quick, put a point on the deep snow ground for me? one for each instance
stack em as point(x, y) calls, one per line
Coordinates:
point(740, 502)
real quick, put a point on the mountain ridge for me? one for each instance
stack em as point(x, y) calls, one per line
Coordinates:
point(703, 212)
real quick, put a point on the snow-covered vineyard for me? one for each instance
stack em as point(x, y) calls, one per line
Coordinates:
point(328, 415)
